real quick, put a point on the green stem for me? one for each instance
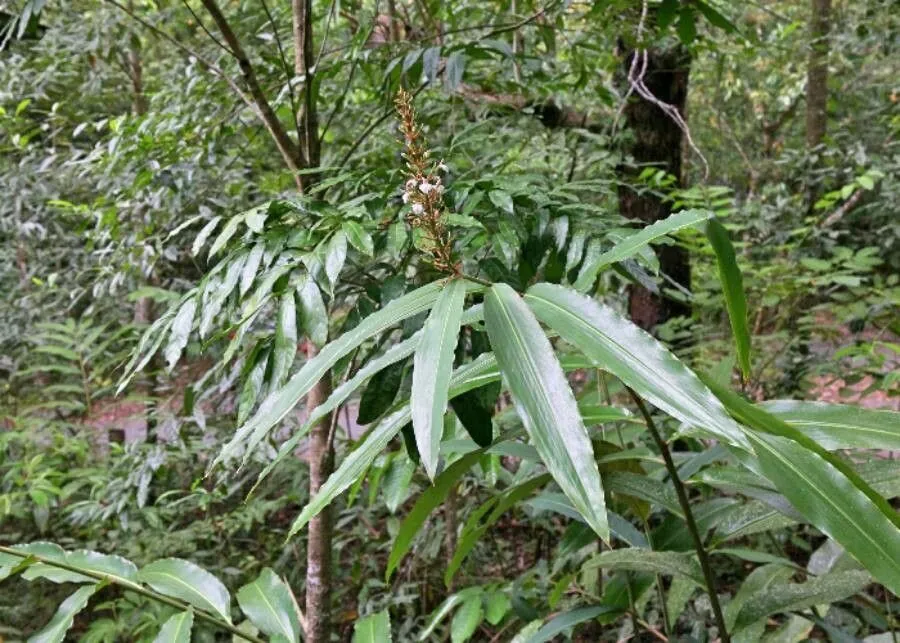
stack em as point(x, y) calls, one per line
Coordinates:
point(688, 516)
point(137, 589)
point(477, 280)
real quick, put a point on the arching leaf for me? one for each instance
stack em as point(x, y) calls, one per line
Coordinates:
point(432, 366)
point(545, 402)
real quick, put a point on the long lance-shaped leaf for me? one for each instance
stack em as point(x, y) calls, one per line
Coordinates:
point(432, 366)
point(643, 560)
point(394, 354)
point(55, 630)
point(632, 244)
point(477, 525)
point(760, 420)
point(465, 378)
point(616, 345)
point(545, 402)
point(280, 403)
point(840, 426)
point(834, 504)
point(733, 288)
point(353, 466)
point(566, 621)
point(790, 597)
point(426, 503)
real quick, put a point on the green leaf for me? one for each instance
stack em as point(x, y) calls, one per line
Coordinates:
point(615, 344)
point(715, 18)
point(477, 525)
point(680, 591)
point(226, 234)
point(358, 237)
point(184, 580)
point(116, 567)
point(632, 244)
point(203, 235)
point(496, 606)
point(840, 426)
point(466, 620)
point(446, 607)
point(55, 630)
point(335, 256)
point(475, 417)
point(181, 329)
point(280, 403)
point(502, 200)
point(396, 482)
point(559, 624)
point(642, 560)
point(790, 597)
point(757, 582)
point(268, 604)
point(831, 502)
point(258, 362)
point(285, 340)
point(177, 629)
point(686, 27)
point(394, 354)
point(251, 265)
point(523, 635)
point(214, 301)
point(545, 402)
point(426, 503)
point(760, 420)
point(353, 466)
point(644, 487)
point(380, 393)
point(432, 366)
point(733, 288)
point(375, 628)
point(313, 314)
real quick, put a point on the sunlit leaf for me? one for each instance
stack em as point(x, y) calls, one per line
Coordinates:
point(184, 580)
point(545, 402)
point(432, 366)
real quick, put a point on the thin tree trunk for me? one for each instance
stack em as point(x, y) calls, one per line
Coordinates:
point(657, 142)
point(318, 548)
point(817, 73)
point(321, 446)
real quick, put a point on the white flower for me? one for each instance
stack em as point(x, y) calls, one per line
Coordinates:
point(443, 166)
point(418, 209)
point(411, 184)
point(425, 187)
point(406, 197)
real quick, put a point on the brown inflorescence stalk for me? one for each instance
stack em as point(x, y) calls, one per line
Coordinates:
point(423, 190)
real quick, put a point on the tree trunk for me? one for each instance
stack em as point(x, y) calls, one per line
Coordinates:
point(318, 548)
point(657, 142)
point(817, 73)
point(321, 446)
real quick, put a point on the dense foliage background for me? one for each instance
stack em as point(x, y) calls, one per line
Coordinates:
point(196, 197)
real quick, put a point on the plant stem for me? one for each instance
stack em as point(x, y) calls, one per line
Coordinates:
point(137, 589)
point(688, 516)
point(477, 280)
